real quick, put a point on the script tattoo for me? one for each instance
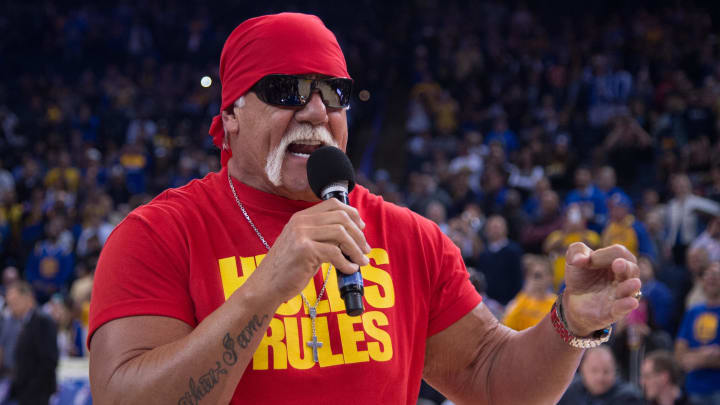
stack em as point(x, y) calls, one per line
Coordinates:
point(198, 390)
point(229, 356)
point(203, 387)
point(249, 331)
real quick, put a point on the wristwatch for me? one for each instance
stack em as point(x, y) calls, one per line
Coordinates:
point(558, 320)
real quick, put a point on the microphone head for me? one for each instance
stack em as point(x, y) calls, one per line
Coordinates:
point(329, 165)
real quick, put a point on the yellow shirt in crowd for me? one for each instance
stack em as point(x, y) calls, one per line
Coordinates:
point(525, 311)
point(588, 237)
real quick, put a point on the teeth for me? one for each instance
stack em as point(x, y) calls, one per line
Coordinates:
point(302, 155)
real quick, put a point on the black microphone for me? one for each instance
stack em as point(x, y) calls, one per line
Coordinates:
point(331, 175)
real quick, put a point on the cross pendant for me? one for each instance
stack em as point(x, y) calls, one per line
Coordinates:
point(315, 344)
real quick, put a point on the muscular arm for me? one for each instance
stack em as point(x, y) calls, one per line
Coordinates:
point(158, 360)
point(476, 360)
point(479, 361)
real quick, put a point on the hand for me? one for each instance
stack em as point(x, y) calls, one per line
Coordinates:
point(319, 234)
point(599, 287)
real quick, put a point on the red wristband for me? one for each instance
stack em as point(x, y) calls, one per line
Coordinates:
point(558, 320)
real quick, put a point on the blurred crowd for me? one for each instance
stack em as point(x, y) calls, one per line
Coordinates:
point(525, 130)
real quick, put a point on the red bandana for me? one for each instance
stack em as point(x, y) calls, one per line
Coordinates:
point(287, 43)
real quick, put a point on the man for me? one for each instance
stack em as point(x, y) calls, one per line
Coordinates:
point(661, 380)
point(501, 261)
point(35, 353)
point(659, 297)
point(536, 298)
point(710, 239)
point(549, 219)
point(625, 229)
point(590, 198)
point(682, 217)
point(606, 181)
point(598, 383)
point(696, 261)
point(697, 346)
point(216, 292)
point(574, 229)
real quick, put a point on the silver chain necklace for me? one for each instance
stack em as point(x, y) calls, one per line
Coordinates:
point(312, 309)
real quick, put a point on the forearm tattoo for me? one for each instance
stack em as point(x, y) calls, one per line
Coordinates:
point(197, 390)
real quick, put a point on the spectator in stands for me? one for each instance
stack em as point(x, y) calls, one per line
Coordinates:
point(95, 230)
point(629, 150)
point(503, 134)
point(536, 299)
point(36, 353)
point(598, 383)
point(548, 220)
point(515, 216)
point(423, 189)
point(659, 297)
point(465, 231)
point(494, 188)
point(697, 347)
point(526, 173)
point(460, 191)
point(70, 333)
point(532, 201)
point(683, 221)
point(590, 198)
point(713, 190)
point(9, 329)
point(478, 281)
point(10, 274)
point(709, 240)
point(81, 288)
point(562, 164)
point(64, 176)
point(501, 261)
point(50, 266)
point(697, 260)
point(573, 230)
point(624, 229)
point(436, 212)
point(606, 181)
point(662, 379)
point(650, 326)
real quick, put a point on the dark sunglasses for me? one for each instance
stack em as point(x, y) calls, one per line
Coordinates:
point(296, 91)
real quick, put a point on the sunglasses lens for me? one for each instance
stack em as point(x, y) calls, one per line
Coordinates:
point(335, 92)
point(293, 91)
point(279, 90)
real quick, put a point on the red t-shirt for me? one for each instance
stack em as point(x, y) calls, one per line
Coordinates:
point(182, 254)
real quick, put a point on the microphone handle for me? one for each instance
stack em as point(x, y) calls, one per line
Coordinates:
point(350, 285)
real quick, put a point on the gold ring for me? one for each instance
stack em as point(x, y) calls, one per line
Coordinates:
point(638, 295)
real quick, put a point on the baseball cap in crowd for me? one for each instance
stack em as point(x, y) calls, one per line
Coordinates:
point(619, 198)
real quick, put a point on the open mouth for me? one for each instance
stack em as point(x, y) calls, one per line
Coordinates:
point(303, 148)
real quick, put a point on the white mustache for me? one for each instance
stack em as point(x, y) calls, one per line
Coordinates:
point(307, 132)
point(299, 133)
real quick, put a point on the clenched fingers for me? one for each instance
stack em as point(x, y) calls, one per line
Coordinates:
point(338, 236)
point(625, 269)
point(627, 288)
point(343, 218)
point(578, 254)
point(332, 253)
point(623, 306)
point(335, 205)
point(603, 258)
